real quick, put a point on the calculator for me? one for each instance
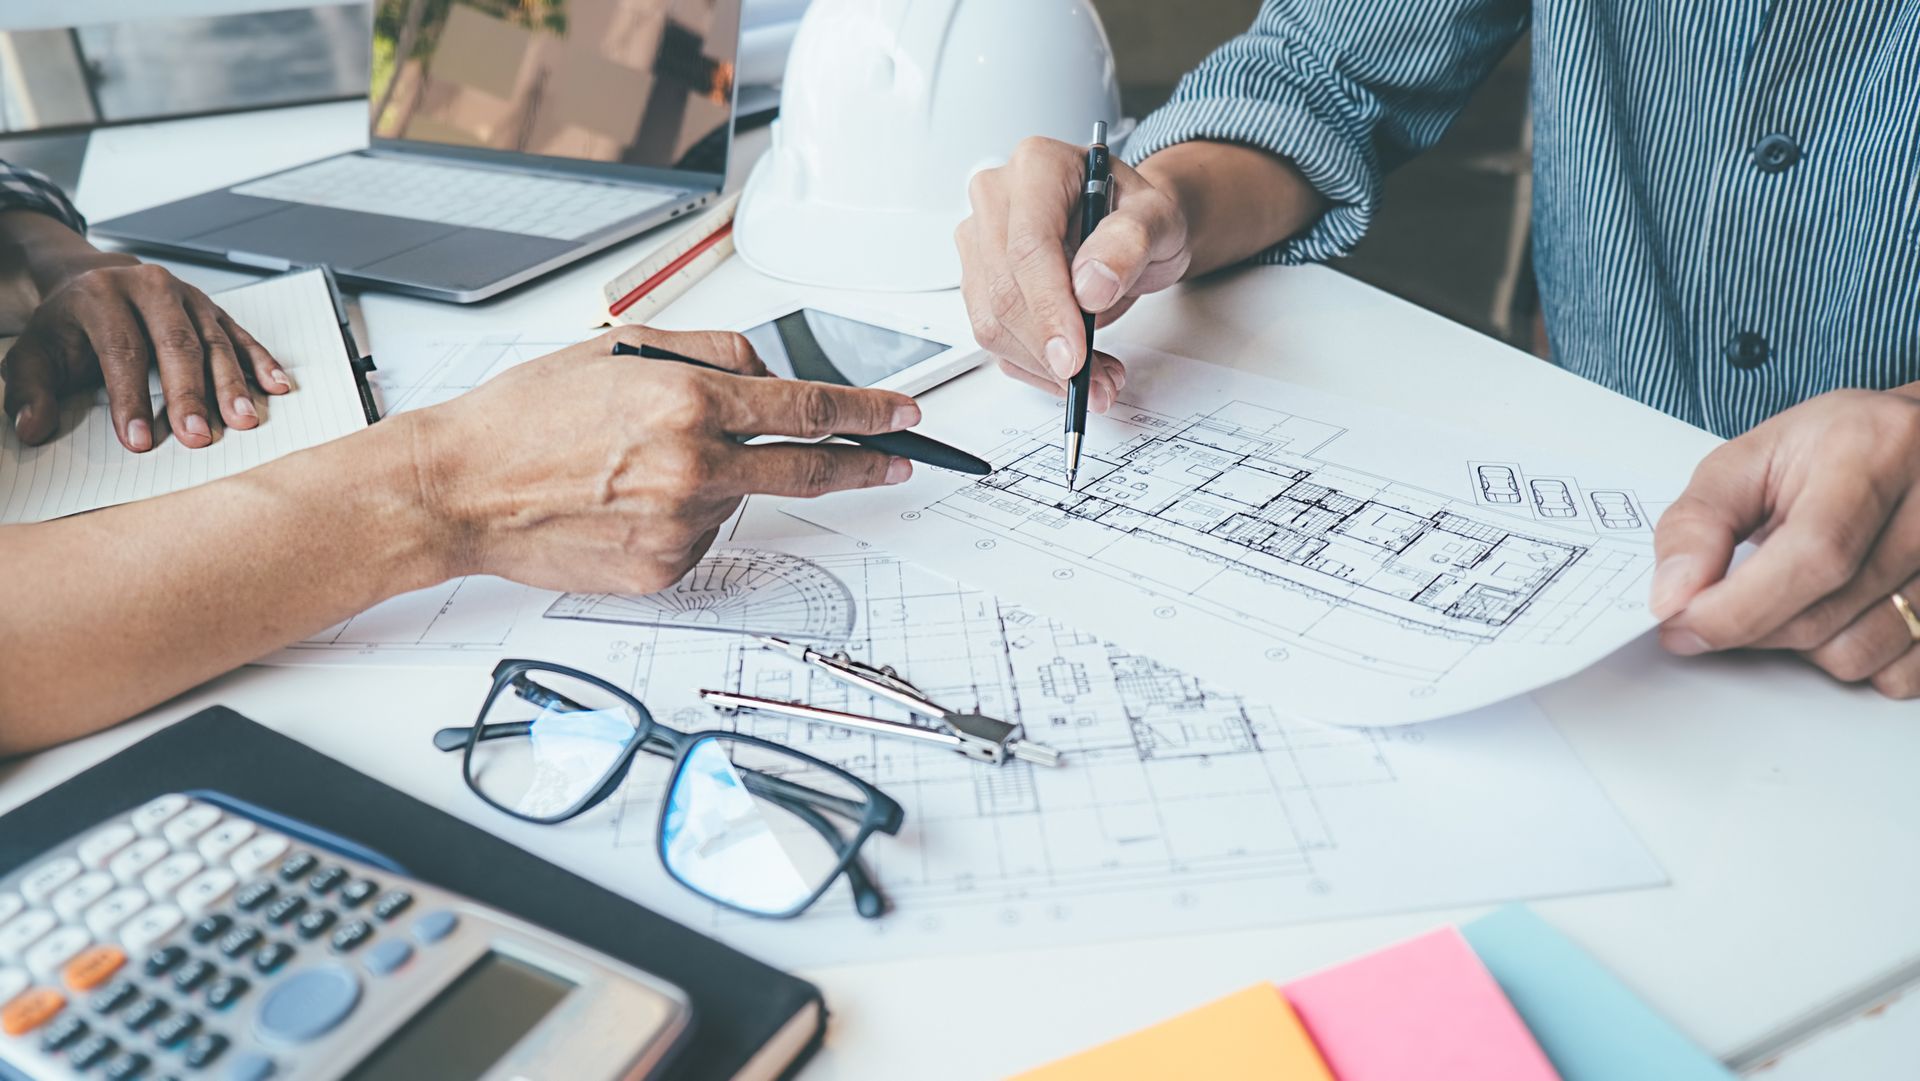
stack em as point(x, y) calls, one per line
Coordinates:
point(202, 937)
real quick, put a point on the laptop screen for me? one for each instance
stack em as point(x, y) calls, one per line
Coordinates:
point(631, 82)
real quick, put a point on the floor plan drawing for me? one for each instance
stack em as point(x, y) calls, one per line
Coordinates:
point(1178, 804)
point(1324, 554)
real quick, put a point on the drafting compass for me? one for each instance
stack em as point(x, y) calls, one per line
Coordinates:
point(976, 735)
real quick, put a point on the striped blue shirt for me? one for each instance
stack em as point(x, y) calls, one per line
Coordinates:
point(1726, 192)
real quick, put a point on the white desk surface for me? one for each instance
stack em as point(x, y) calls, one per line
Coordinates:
point(1782, 806)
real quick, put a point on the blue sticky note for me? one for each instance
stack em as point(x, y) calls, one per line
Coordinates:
point(1588, 1023)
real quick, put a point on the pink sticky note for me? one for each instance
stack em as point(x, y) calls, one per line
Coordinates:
point(1426, 1008)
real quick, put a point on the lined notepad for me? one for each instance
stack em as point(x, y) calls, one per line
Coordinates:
point(84, 467)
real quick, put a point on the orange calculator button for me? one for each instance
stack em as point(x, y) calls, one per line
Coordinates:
point(30, 1010)
point(91, 969)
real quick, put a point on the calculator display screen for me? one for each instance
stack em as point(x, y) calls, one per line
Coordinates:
point(463, 1032)
point(829, 348)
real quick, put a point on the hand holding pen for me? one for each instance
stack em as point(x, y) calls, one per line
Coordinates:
point(1096, 198)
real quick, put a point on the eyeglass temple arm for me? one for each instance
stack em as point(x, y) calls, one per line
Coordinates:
point(867, 897)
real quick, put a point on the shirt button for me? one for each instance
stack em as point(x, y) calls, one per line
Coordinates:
point(1747, 350)
point(1775, 154)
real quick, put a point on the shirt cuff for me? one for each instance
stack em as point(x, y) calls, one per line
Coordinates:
point(24, 189)
point(1339, 167)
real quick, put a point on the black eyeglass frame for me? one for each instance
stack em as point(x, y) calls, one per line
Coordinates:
point(881, 813)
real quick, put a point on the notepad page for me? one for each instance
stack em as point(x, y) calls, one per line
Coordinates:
point(84, 467)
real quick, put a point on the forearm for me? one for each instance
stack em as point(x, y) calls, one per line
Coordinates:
point(37, 254)
point(1238, 201)
point(108, 613)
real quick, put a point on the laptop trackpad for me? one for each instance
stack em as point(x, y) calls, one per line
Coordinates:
point(469, 259)
point(344, 239)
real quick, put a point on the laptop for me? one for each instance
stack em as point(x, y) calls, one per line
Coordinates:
point(505, 140)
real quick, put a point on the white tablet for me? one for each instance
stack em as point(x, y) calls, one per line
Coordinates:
point(858, 349)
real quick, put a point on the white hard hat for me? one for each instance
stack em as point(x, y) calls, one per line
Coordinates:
point(889, 108)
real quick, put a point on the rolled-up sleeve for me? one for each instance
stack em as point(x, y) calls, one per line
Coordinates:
point(1346, 90)
point(24, 189)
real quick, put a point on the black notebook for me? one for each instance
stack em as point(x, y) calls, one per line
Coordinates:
point(751, 1022)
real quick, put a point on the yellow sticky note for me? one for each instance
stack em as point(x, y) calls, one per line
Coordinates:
point(1251, 1035)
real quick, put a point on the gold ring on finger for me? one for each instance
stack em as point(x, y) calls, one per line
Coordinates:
point(1905, 608)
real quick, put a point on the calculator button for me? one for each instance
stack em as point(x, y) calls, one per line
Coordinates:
point(49, 955)
point(31, 1010)
point(117, 994)
point(90, 1051)
point(145, 1012)
point(165, 960)
point(191, 823)
point(357, 891)
point(308, 1004)
point(239, 940)
point(74, 898)
point(127, 1067)
point(204, 1049)
point(133, 860)
point(11, 905)
point(435, 926)
point(92, 967)
point(387, 956)
point(250, 1067)
point(12, 982)
point(227, 991)
point(115, 909)
point(147, 928)
point(103, 843)
point(149, 818)
point(255, 895)
point(211, 928)
point(256, 855)
point(64, 1033)
point(296, 865)
point(49, 876)
point(271, 957)
point(323, 881)
point(193, 974)
point(175, 1029)
point(206, 890)
point(392, 904)
point(25, 930)
point(219, 842)
point(170, 873)
point(351, 934)
point(315, 923)
point(285, 909)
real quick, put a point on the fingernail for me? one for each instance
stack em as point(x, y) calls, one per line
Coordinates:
point(898, 469)
point(139, 436)
point(1095, 285)
point(1060, 358)
point(243, 407)
point(24, 417)
point(1670, 580)
point(280, 379)
point(195, 424)
point(905, 416)
point(1684, 643)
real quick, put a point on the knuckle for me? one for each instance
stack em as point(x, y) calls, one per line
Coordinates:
point(739, 350)
point(1035, 147)
point(819, 474)
point(177, 338)
point(1004, 301)
point(817, 409)
point(1846, 658)
point(987, 329)
point(1030, 248)
point(682, 399)
point(982, 187)
point(117, 346)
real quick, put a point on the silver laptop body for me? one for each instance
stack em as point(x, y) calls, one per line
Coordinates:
point(503, 146)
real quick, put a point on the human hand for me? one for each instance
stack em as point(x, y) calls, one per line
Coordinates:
point(1023, 297)
point(588, 471)
point(1830, 489)
point(109, 318)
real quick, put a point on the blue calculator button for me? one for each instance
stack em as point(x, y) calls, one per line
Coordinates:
point(308, 1004)
point(435, 926)
point(250, 1067)
point(388, 956)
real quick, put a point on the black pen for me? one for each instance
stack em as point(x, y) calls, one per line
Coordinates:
point(911, 445)
point(1095, 197)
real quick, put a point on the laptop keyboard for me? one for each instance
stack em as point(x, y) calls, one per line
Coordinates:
point(451, 195)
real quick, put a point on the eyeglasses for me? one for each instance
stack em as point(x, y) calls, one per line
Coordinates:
point(747, 823)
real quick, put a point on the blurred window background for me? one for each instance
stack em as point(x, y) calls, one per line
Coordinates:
point(1451, 236)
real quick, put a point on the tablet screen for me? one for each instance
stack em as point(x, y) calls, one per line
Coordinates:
point(826, 348)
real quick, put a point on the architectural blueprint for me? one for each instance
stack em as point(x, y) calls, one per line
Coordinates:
point(1179, 808)
point(1357, 565)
